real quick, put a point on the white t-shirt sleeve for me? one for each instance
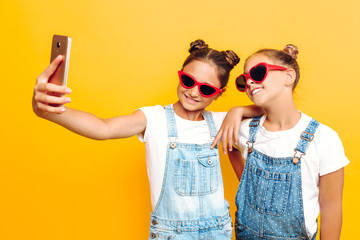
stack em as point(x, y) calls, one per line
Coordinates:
point(332, 155)
point(153, 121)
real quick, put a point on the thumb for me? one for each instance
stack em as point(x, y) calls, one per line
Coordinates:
point(44, 76)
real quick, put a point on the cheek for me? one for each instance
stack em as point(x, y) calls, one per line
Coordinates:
point(208, 100)
point(179, 88)
point(272, 84)
point(178, 91)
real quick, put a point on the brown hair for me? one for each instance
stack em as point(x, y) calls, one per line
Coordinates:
point(224, 60)
point(287, 57)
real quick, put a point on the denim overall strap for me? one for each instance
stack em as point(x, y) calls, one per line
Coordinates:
point(305, 138)
point(169, 110)
point(171, 125)
point(254, 128)
point(211, 123)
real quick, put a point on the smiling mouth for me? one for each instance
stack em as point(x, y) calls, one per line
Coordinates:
point(191, 100)
point(256, 91)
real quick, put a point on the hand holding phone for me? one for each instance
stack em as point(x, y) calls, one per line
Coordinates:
point(50, 85)
point(61, 45)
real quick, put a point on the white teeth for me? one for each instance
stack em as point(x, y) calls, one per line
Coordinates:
point(256, 90)
point(191, 100)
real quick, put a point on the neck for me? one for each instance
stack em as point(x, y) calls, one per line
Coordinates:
point(281, 116)
point(186, 114)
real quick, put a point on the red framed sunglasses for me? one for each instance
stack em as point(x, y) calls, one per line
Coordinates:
point(206, 90)
point(257, 73)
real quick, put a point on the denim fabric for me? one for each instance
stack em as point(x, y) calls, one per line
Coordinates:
point(191, 203)
point(269, 198)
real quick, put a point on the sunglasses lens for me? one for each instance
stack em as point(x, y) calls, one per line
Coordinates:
point(258, 73)
point(187, 81)
point(207, 90)
point(241, 83)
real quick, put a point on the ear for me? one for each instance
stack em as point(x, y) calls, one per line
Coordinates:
point(290, 77)
point(218, 95)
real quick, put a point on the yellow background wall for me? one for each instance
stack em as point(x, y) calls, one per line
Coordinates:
point(125, 54)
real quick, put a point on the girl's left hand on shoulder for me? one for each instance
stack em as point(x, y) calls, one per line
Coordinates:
point(229, 130)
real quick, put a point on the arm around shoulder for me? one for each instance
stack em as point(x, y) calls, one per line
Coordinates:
point(228, 132)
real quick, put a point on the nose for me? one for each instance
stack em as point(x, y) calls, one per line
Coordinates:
point(249, 81)
point(194, 92)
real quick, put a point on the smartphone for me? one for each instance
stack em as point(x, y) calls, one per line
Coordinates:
point(61, 45)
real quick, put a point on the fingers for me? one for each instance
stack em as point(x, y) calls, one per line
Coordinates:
point(236, 133)
point(230, 140)
point(49, 104)
point(49, 99)
point(226, 134)
point(217, 139)
point(44, 77)
point(224, 141)
point(49, 87)
point(50, 109)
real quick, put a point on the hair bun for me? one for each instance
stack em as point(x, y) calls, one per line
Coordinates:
point(291, 50)
point(197, 45)
point(231, 58)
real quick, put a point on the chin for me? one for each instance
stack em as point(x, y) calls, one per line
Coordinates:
point(190, 107)
point(259, 103)
point(259, 100)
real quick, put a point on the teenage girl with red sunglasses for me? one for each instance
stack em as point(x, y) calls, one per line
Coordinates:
point(186, 184)
point(294, 165)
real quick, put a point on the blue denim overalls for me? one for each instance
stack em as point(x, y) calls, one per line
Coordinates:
point(191, 203)
point(269, 198)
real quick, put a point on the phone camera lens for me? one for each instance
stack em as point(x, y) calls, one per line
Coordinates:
point(58, 44)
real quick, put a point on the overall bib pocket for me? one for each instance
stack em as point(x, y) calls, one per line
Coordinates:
point(198, 176)
point(267, 192)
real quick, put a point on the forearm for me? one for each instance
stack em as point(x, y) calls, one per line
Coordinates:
point(330, 223)
point(91, 126)
point(249, 111)
point(330, 199)
point(79, 122)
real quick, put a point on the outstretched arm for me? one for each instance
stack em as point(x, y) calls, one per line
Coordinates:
point(229, 130)
point(82, 123)
point(330, 198)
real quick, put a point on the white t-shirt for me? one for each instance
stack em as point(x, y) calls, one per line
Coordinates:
point(324, 155)
point(156, 141)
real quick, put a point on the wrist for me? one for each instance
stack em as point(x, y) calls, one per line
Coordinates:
point(239, 110)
